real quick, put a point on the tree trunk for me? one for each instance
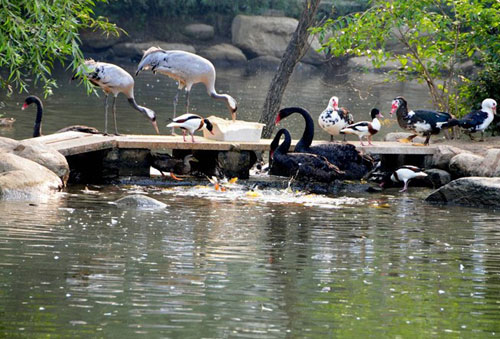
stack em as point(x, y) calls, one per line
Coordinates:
point(294, 52)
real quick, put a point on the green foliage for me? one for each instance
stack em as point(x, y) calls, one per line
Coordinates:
point(34, 34)
point(433, 37)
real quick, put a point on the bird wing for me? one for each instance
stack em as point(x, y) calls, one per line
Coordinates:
point(185, 117)
point(361, 126)
point(473, 119)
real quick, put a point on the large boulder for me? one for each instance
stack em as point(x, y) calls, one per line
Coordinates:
point(224, 55)
point(135, 50)
point(97, 40)
point(466, 165)
point(471, 191)
point(35, 151)
point(443, 155)
point(261, 35)
point(199, 31)
point(21, 178)
point(491, 163)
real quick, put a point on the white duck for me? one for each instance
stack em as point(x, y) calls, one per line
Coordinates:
point(191, 123)
point(365, 128)
point(333, 118)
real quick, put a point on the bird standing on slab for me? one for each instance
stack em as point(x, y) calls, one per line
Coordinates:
point(425, 122)
point(476, 121)
point(115, 80)
point(365, 128)
point(187, 69)
point(405, 174)
point(37, 129)
point(333, 118)
point(191, 122)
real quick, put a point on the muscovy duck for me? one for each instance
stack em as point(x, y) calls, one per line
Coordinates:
point(299, 165)
point(404, 174)
point(191, 123)
point(333, 118)
point(476, 121)
point(424, 122)
point(365, 128)
point(343, 155)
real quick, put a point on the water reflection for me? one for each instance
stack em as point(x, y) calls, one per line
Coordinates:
point(230, 267)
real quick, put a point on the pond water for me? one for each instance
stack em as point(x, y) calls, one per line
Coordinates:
point(264, 264)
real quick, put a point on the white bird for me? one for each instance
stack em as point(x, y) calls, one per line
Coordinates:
point(187, 69)
point(333, 118)
point(365, 128)
point(191, 123)
point(115, 80)
point(405, 174)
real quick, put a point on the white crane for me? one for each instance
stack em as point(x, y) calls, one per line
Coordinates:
point(187, 69)
point(113, 79)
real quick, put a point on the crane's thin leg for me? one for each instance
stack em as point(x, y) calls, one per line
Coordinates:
point(187, 101)
point(114, 115)
point(106, 114)
point(176, 100)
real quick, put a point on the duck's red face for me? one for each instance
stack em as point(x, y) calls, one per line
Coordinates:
point(334, 102)
point(395, 106)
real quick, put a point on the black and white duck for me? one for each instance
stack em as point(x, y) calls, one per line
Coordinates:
point(333, 118)
point(191, 123)
point(476, 121)
point(420, 122)
point(365, 128)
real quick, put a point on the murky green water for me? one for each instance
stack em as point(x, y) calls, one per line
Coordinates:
point(235, 264)
point(227, 264)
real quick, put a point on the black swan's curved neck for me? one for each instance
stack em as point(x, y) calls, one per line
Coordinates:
point(37, 129)
point(308, 135)
point(285, 145)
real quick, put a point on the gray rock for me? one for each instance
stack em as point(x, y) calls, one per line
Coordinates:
point(135, 50)
point(437, 177)
point(139, 201)
point(466, 165)
point(22, 178)
point(35, 151)
point(262, 64)
point(199, 31)
point(444, 153)
point(95, 40)
point(224, 55)
point(471, 191)
point(261, 35)
point(491, 163)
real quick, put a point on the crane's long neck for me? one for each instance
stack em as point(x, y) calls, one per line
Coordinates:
point(37, 129)
point(134, 104)
point(230, 102)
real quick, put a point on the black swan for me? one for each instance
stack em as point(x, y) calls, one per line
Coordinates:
point(424, 122)
point(476, 121)
point(344, 156)
point(304, 166)
point(37, 129)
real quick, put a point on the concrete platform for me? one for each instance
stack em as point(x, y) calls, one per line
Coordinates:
point(72, 143)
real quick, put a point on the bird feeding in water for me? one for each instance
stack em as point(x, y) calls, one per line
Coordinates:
point(405, 174)
point(191, 122)
point(365, 128)
point(115, 80)
point(187, 69)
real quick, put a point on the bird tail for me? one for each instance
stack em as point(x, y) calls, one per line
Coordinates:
point(345, 131)
point(173, 124)
point(448, 124)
